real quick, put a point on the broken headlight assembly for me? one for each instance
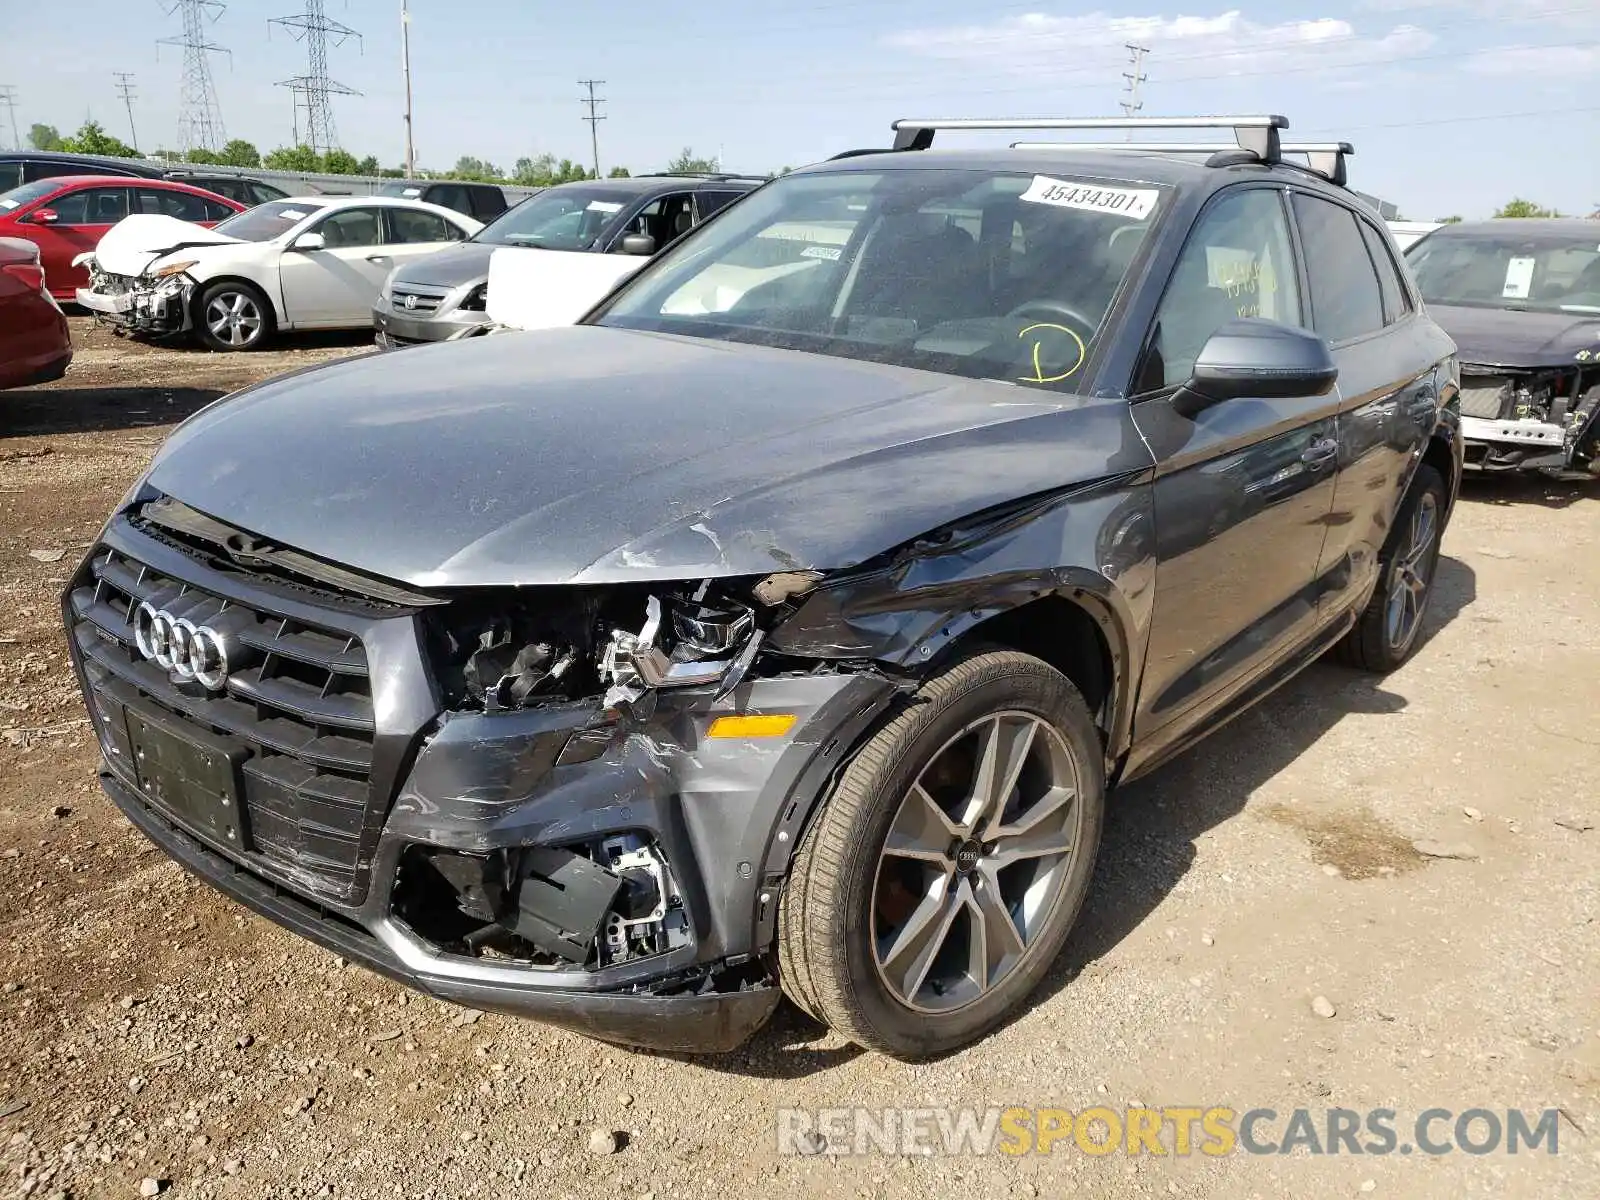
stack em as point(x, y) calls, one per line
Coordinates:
point(516, 650)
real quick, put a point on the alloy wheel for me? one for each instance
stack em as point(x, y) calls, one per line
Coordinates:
point(975, 861)
point(1413, 574)
point(234, 318)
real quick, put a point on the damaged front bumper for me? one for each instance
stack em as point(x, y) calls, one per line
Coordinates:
point(155, 308)
point(1524, 420)
point(610, 865)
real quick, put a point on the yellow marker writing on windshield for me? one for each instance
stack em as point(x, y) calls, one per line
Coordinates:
point(1038, 375)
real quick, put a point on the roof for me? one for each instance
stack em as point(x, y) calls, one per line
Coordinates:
point(123, 166)
point(1132, 165)
point(177, 185)
point(1554, 228)
point(650, 183)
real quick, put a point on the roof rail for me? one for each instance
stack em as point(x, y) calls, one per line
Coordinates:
point(1326, 159)
point(1257, 134)
point(716, 175)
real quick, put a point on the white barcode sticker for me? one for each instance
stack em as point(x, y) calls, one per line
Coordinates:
point(604, 206)
point(831, 253)
point(1519, 278)
point(1137, 203)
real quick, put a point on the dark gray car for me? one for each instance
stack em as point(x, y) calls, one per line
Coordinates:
point(445, 296)
point(780, 629)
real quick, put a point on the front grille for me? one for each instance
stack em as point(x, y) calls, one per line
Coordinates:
point(298, 714)
point(409, 298)
point(1484, 396)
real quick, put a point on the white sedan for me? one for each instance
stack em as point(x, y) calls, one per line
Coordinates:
point(316, 262)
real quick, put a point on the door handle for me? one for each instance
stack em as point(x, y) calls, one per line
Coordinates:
point(1321, 453)
point(377, 258)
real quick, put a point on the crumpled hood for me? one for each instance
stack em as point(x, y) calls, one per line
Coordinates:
point(1498, 337)
point(134, 244)
point(591, 455)
point(466, 263)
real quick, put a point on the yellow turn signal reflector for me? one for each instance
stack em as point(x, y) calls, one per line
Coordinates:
point(760, 726)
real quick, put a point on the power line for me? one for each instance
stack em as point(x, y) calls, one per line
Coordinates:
point(594, 120)
point(199, 114)
point(8, 98)
point(1135, 77)
point(125, 86)
point(314, 90)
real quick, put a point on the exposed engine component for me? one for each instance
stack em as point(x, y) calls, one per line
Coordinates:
point(714, 643)
point(1546, 418)
point(648, 916)
point(499, 675)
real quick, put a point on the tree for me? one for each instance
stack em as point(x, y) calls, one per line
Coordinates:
point(240, 153)
point(44, 137)
point(687, 163)
point(293, 158)
point(341, 162)
point(369, 166)
point(568, 171)
point(92, 139)
point(206, 157)
point(1525, 208)
point(478, 169)
point(619, 173)
point(534, 172)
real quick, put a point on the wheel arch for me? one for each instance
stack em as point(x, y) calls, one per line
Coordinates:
point(201, 287)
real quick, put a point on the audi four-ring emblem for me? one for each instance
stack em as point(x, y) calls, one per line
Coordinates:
point(188, 651)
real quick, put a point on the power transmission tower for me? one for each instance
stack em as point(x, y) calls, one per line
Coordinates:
point(594, 119)
point(1135, 77)
point(315, 88)
point(8, 98)
point(199, 114)
point(125, 86)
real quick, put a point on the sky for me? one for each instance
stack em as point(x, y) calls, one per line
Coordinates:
point(1454, 106)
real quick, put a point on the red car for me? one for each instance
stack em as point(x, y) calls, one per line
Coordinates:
point(34, 344)
point(67, 215)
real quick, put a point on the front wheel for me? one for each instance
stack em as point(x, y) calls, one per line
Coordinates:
point(947, 866)
point(1390, 629)
point(233, 316)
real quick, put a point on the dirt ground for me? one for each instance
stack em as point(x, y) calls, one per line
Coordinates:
point(152, 1030)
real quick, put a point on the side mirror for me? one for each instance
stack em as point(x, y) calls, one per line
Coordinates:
point(1260, 358)
point(310, 241)
point(45, 216)
point(641, 244)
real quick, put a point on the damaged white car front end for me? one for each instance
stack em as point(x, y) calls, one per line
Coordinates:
point(138, 275)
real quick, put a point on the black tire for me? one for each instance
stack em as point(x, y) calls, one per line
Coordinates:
point(1372, 644)
point(256, 324)
point(826, 952)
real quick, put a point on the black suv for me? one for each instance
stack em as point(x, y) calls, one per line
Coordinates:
point(780, 628)
point(483, 201)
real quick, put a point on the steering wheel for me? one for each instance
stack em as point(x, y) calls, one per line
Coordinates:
point(1054, 341)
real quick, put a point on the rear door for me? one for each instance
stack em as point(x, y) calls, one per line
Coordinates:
point(1387, 385)
point(1242, 491)
point(82, 217)
point(337, 285)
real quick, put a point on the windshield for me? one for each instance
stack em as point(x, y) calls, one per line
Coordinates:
point(1502, 268)
point(996, 275)
point(267, 221)
point(561, 218)
point(17, 197)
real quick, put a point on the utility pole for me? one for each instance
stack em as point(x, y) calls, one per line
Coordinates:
point(8, 98)
point(1135, 77)
point(125, 87)
point(405, 70)
point(199, 115)
point(591, 100)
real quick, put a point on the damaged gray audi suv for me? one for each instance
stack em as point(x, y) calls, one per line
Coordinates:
point(780, 628)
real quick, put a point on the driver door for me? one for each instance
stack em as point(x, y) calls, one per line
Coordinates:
point(1243, 490)
point(337, 285)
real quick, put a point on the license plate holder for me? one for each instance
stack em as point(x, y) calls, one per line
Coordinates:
point(192, 773)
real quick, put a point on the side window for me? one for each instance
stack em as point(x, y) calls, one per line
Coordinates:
point(1346, 301)
point(408, 226)
point(710, 202)
point(92, 206)
point(261, 193)
point(172, 204)
point(353, 227)
point(1238, 262)
point(216, 211)
point(666, 218)
point(487, 203)
point(1396, 303)
point(10, 175)
point(450, 195)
